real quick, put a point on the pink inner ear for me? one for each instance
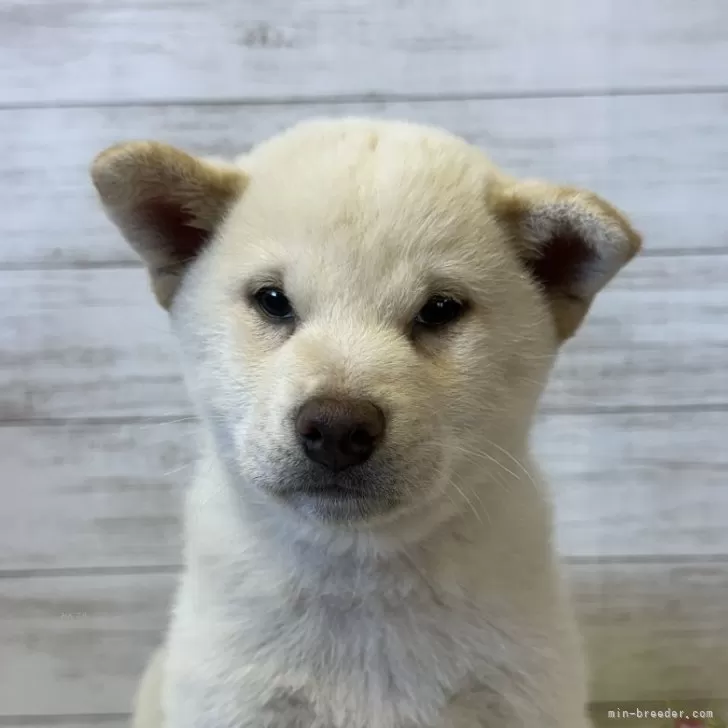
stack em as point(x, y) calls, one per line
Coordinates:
point(181, 239)
point(562, 262)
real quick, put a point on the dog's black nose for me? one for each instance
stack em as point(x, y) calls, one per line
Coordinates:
point(339, 433)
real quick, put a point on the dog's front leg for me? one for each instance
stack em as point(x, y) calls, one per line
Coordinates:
point(148, 700)
point(190, 704)
point(484, 708)
point(165, 701)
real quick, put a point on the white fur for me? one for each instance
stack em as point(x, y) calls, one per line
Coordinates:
point(448, 611)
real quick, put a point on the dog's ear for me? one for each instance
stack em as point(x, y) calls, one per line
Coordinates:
point(166, 203)
point(571, 241)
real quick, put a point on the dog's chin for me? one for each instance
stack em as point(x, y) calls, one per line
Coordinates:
point(338, 505)
point(361, 494)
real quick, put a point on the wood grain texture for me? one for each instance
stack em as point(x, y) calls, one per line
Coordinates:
point(91, 343)
point(658, 157)
point(655, 338)
point(93, 495)
point(86, 720)
point(125, 50)
point(109, 495)
point(85, 343)
point(653, 631)
point(634, 485)
point(98, 720)
point(83, 639)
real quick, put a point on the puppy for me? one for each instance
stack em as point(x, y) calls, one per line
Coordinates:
point(368, 312)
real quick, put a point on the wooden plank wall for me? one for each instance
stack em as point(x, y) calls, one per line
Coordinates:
point(628, 97)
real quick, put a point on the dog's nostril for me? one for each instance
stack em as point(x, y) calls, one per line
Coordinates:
point(339, 433)
point(360, 438)
point(312, 434)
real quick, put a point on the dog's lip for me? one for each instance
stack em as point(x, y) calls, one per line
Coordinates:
point(338, 503)
point(320, 482)
point(329, 490)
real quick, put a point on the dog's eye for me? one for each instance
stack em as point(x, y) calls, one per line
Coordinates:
point(439, 311)
point(274, 303)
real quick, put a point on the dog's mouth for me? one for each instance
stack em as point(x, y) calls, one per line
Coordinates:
point(343, 497)
point(339, 504)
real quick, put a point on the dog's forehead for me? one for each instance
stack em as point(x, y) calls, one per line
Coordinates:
point(345, 194)
point(371, 167)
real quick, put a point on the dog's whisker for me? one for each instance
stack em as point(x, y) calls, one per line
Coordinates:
point(515, 460)
point(483, 509)
point(162, 423)
point(487, 457)
point(412, 562)
point(495, 478)
point(467, 500)
point(178, 469)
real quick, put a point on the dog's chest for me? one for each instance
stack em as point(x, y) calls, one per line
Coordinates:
point(348, 659)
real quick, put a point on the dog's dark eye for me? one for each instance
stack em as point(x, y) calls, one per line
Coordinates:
point(439, 311)
point(274, 303)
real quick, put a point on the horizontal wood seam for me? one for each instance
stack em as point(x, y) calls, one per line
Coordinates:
point(163, 569)
point(545, 411)
point(93, 719)
point(372, 98)
point(61, 266)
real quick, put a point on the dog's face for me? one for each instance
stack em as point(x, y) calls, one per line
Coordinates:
point(369, 310)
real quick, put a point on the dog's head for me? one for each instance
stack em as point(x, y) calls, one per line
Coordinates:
point(366, 307)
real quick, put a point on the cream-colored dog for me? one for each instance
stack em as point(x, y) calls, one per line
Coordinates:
point(368, 313)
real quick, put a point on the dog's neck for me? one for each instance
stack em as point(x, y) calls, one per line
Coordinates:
point(230, 530)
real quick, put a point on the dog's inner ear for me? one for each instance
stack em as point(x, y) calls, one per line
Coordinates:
point(167, 204)
point(560, 261)
point(570, 241)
